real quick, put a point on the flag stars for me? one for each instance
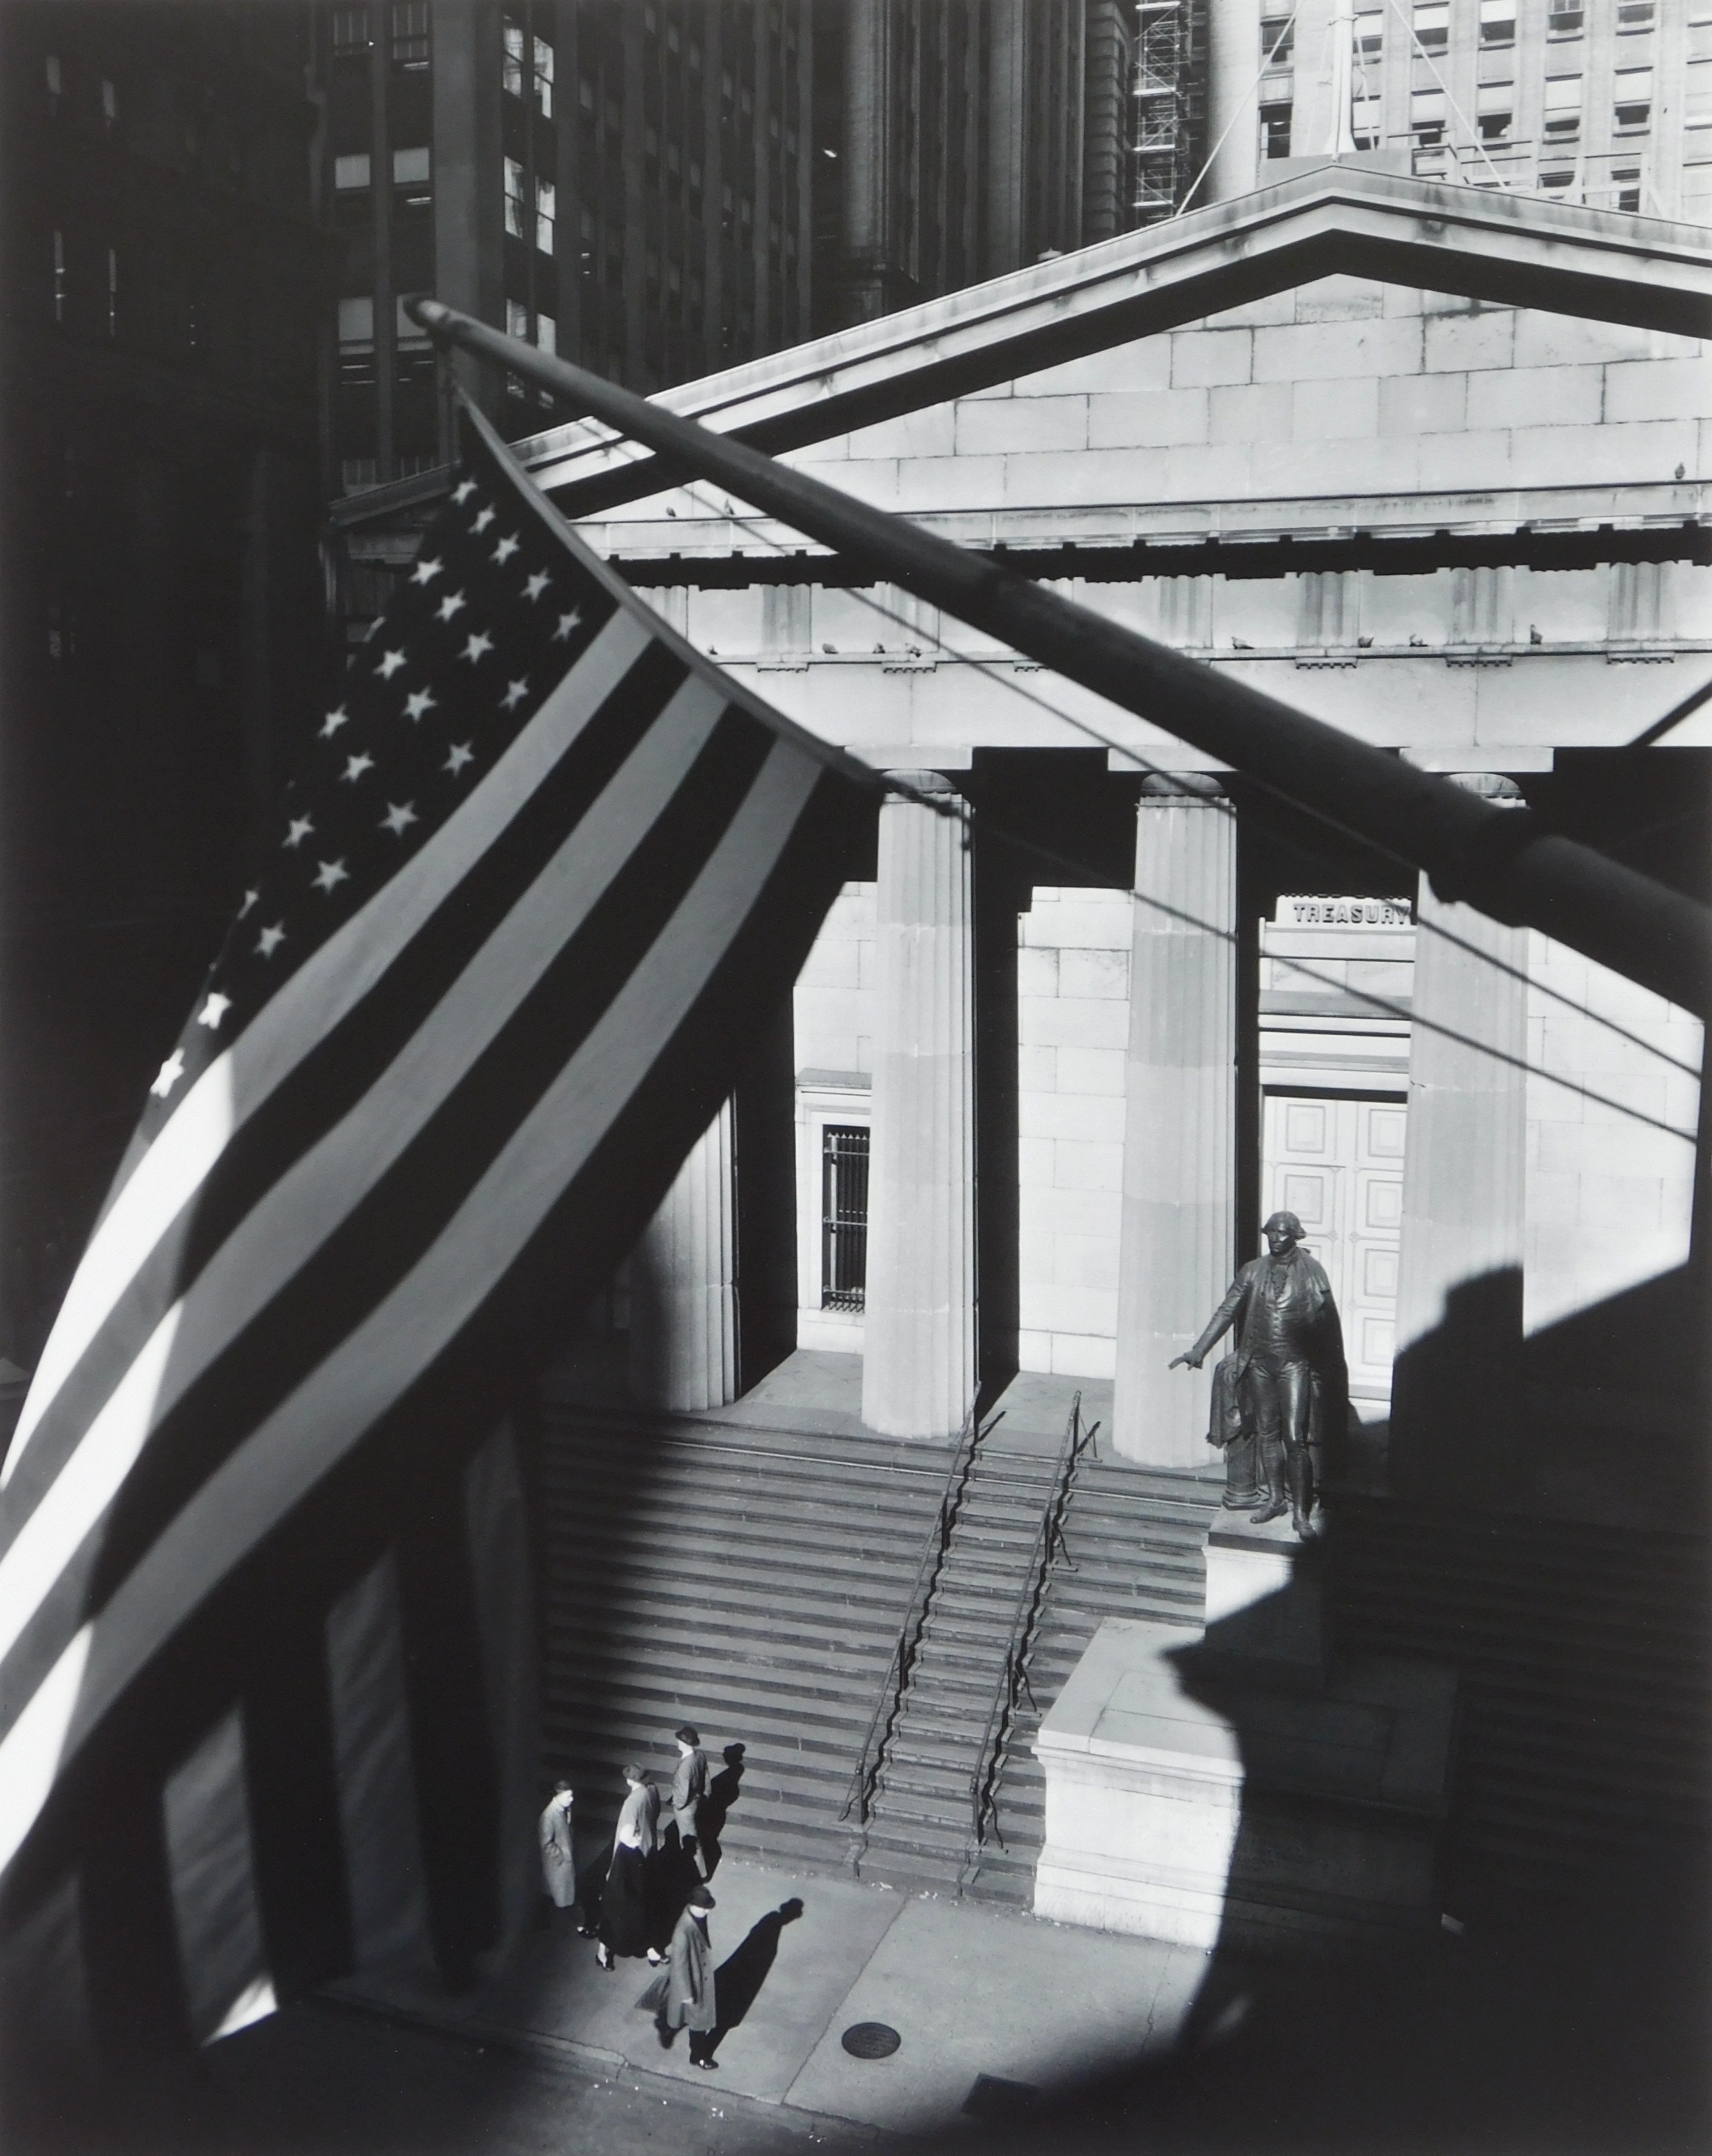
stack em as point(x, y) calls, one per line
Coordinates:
point(566, 622)
point(452, 604)
point(515, 693)
point(334, 719)
point(355, 765)
point(426, 571)
point(481, 523)
point(330, 874)
point(417, 703)
point(506, 548)
point(390, 662)
point(270, 940)
point(461, 494)
point(537, 584)
point(481, 642)
point(301, 827)
point(214, 1010)
point(399, 817)
point(461, 754)
point(170, 1072)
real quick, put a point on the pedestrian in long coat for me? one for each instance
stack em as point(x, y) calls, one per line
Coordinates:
point(558, 1862)
point(627, 1906)
point(683, 1995)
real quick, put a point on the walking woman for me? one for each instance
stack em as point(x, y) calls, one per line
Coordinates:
point(628, 1916)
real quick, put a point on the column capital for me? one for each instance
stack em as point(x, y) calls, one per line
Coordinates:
point(925, 782)
point(1171, 789)
point(1491, 786)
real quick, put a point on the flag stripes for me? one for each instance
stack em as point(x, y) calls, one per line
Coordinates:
point(468, 1021)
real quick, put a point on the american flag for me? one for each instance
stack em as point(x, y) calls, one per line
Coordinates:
point(545, 875)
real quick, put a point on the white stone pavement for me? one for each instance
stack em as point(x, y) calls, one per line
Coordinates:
point(971, 1990)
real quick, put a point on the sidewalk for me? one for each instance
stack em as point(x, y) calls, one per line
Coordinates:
point(971, 1991)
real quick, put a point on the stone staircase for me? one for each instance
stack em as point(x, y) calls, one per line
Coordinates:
point(1584, 1657)
point(749, 1582)
point(1133, 1547)
point(754, 1582)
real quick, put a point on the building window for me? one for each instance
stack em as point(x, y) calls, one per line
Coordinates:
point(356, 473)
point(56, 84)
point(1633, 98)
point(546, 210)
point(1427, 116)
point(1494, 108)
point(843, 1217)
point(1563, 105)
point(1369, 33)
point(1564, 20)
point(1634, 15)
point(512, 77)
point(1697, 95)
point(411, 51)
point(514, 198)
point(351, 172)
point(1433, 25)
point(543, 78)
point(413, 177)
point(59, 287)
point(112, 292)
point(546, 334)
point(1628, 184)
point(1498, 22)
point(350, 33)
point(109, 103)
point(517, 320)
point(356, 340)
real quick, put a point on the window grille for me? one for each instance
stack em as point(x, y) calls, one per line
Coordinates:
point(410, 35)
point(350, 33)
point(843, 1217)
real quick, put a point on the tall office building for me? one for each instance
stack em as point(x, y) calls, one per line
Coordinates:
point(161, 635)
point(621, 180)
point(1604, 102)
point(965, 139)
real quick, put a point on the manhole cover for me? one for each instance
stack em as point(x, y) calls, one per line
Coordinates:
point(869, 2040)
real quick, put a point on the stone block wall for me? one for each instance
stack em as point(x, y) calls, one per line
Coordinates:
point(1073, 1032)
point(833, 1004)
point(1612, 1098)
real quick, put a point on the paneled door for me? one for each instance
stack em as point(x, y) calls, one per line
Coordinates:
point(1337, 1163)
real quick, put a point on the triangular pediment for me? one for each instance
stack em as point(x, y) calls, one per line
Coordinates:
point(1337, 219)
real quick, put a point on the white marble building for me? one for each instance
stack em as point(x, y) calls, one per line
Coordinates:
point(1430, 464)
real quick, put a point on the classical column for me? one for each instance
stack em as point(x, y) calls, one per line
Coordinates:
point(1456, 1397)
point(683, 1283)
point(918, 1366)
point(1177, 1254)
point(1234, 56)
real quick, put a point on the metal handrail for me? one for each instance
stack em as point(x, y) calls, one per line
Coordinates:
point(1025, 1619)
point(889, 1704)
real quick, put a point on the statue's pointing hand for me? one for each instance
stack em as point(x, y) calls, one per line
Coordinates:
point(1184, 1361)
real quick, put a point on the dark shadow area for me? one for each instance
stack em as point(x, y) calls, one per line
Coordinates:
point(766, 1183)
point(723, 1792)
point(738, 1979)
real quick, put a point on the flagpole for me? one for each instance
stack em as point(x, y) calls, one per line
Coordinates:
point(1500, 860)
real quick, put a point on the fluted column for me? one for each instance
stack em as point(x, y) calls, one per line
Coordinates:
point(683, 1283)
point(918, 1368)
point(1177, 1252)
point(1457, 1396)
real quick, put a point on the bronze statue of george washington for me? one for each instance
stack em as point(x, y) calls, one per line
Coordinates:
point(1290, 1376)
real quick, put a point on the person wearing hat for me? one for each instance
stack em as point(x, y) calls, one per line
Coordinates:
point(682, 1996)
point(689, 1786)
point(559, 1862)
point(627, 1906)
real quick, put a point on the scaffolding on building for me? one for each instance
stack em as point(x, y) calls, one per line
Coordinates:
point(1164, 107)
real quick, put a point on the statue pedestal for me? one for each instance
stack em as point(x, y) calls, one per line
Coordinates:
point(1239, 1789)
